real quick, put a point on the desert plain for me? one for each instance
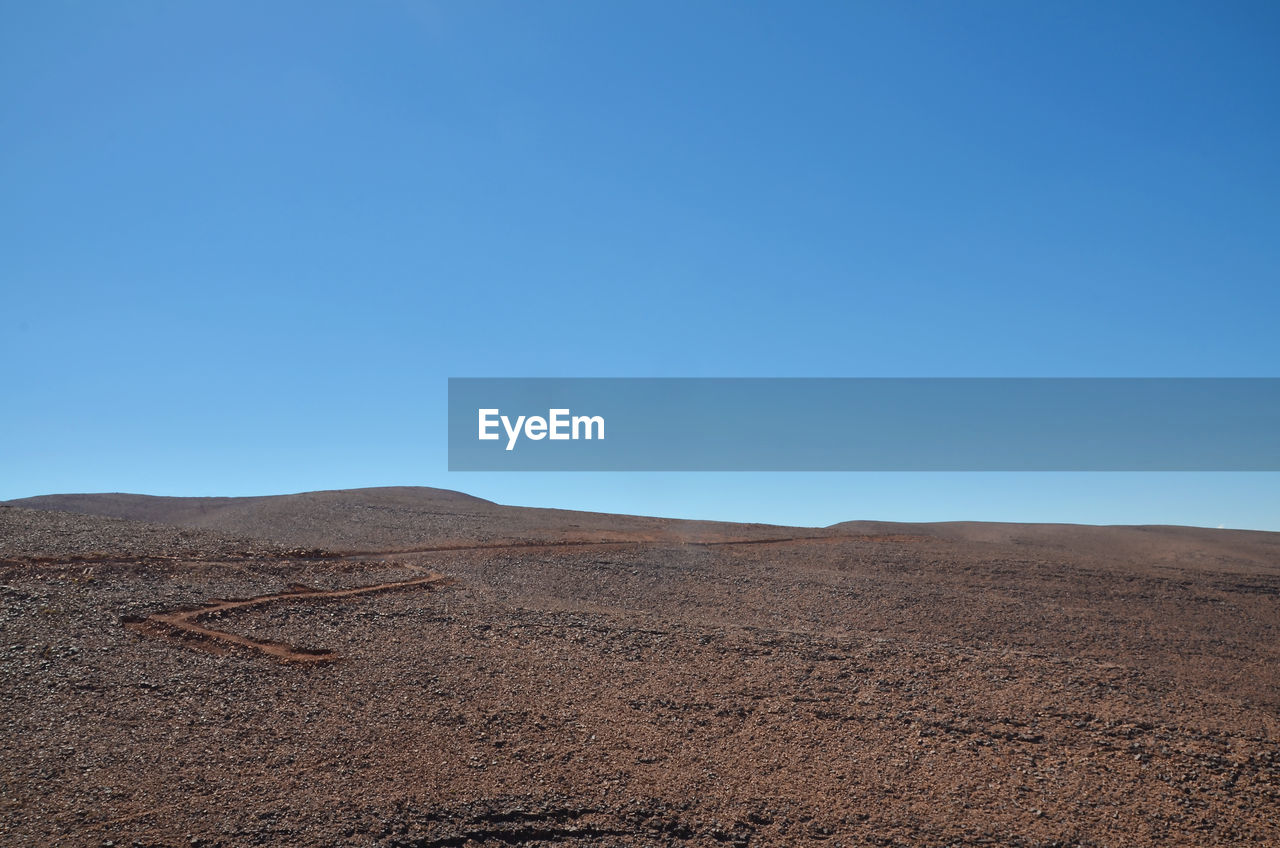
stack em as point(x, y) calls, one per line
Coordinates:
point(417, 667)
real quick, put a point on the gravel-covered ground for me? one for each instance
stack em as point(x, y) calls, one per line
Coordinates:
point(864, 685)
point(33, 535)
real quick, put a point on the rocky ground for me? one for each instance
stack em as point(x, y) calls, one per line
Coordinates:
point(567, 679)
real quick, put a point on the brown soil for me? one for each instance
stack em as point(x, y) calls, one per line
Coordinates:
point(185, 624)
point(566, 679)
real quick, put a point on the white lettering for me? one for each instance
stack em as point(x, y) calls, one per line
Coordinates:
point(598, 420)
point(558, 425)
point(513, 433)
point(486, 424)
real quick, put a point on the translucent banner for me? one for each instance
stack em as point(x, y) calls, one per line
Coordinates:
point(864, 424)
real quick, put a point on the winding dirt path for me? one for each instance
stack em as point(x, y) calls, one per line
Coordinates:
point(189, 626)
point(186, 626)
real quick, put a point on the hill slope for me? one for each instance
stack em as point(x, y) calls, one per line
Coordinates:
point(387, 518)
point(405, 517)
point(686, 685)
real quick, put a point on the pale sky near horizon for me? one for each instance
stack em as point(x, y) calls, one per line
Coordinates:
point(243, 245)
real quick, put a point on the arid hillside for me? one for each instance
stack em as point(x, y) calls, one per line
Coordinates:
point(413, 667)
point(385, 518)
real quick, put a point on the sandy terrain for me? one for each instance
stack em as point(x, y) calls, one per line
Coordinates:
point(411, 667)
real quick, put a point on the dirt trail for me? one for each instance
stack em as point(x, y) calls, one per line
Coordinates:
point(185, 624)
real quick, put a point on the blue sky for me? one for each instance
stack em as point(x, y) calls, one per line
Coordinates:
point(243, 245)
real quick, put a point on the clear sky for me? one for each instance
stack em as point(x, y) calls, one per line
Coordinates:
point(243, 245)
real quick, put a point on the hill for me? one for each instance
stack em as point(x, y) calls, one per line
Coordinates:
point(448, 671)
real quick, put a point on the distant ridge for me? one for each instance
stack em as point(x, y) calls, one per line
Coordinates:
point(387, 518)
point(405, 517)
point(1172, 544)
point(196, 510)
